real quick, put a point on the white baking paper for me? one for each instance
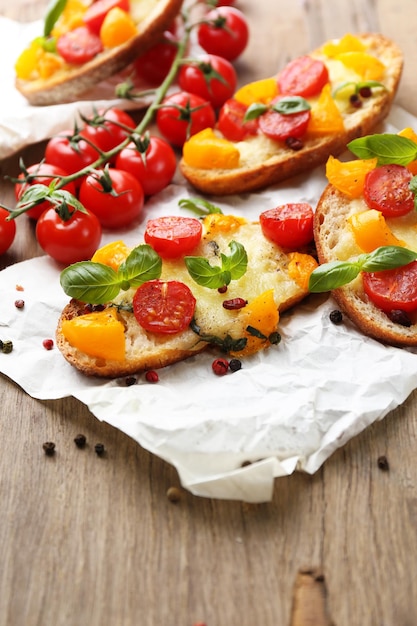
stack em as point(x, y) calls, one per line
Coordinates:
point(287, 409)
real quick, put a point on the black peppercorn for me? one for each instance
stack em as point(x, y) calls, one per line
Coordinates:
point(99, 449)
point(336, 317)
point(49, 448)
point(383, 463)
point(235, 365)
point(80, 441)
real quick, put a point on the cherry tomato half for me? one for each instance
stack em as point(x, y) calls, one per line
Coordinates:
point(71, 241)
point(393, 289)
point(164, 306)
point(224, 32)
point(7, 231)
point(72, 157)
point(112, 132)
point(117, 207)
point(279, 126)
point(44, 173)
point(97, 11)
point(289, 225)
point(154, 169)
point(304, 77)
point(182, 115)
point(211, 77)
point(173, 236)
point(387, 190)
point(231, 124)
point(79, 46)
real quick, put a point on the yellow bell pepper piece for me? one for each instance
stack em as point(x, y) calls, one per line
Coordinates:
point(300, 267)
point(371, 230)
point(207, 151)
point(112, 254)
point(325, 116)
point(348, 43)
point(261, 314)
point(262, 91)
point(70, 18)
point(217, 222)
point(367, 66)
point(349, 177)
point(410, 134)
point(27, 62)
point(48, 64)
point(99, 334)
point(117, 28)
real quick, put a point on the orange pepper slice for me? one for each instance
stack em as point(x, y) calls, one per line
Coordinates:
point(371, 230)
point(207, 151)
point(99, 334)
point(117, 28)
point(349, 177)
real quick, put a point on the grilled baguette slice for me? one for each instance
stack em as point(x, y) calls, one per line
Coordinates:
point(264, 162)
point(269, 268)
point(65, 85)
point(335, 242)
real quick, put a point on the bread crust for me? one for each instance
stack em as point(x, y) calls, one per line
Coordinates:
point(330, 225)
point(67, 84)
point(284, 162)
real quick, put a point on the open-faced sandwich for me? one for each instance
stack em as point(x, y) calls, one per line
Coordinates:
point(284, 125)
point(85, 42)
point(366, 236)
point(193, 283)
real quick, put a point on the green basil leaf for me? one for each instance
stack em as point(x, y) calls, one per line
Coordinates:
point(254, 111)
point(291, 104)
point(53, 12)
point(332, 275)
point(387, 148)
point(90, 282)
point(203, 273)
point(387, 258)
point(199, 206)
point(237, 262)
point(142, 264)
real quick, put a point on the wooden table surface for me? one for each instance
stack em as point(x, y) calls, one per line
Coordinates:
point(90, 541)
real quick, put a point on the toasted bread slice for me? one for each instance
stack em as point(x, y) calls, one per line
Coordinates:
point(152, 16)
point(335, 241)
point(274, 281)
point(264, 161)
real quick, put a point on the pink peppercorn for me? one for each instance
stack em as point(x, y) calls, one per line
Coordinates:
point(48, 344)
point(220, 366)
point(152, 376)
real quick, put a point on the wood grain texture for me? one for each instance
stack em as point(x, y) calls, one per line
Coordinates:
point(89, 540)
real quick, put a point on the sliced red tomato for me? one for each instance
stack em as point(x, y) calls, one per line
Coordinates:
point(393, 289)
point(387, 189)
point(289, 225)
point(231, 124)
point(79, 46)
point(279, 126)
point(43, 174)
point(304, 77)
point(164, 306)
point(97, 11)
point(173, 236)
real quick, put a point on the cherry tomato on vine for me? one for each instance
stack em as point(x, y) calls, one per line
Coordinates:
point(387, 190)
point(225, 32)
point(97, 11)
point(304, 76)
point(288, 225)
point(153, 65)
point(68, 241)
point(393, 289)
point(44, 173)
point(70, 154)
point(209, 76)
point(79, 46)
point(154, 169)
point(115, 206)
point(279, 126)
point(164, 306)
point(231, 121)
point(182, 115)
point(108, 134)
point(173, 236)
point(7, 231)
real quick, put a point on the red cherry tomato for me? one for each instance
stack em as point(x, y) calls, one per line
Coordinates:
point(154, 169)
point(71, 156)
point(164, 306)
point(393, 289)
point(79, 46)
point(153, 65)
point(304, 77)
point(225, 32)
point(44, 173)
point(7, 231)
point(173, 236)
point(387, 190)
point(71, 241)
point(289, 225)
point(97, 11)
point(182, 115)
point(211, 77)
point(112, 132)
point(231, 124)
point(118, 206)
point(279, 126)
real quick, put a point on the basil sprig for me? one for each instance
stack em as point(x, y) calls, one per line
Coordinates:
point(53, 12)
point(97, 283)
point(387, 148)
point(198, 206)
point(338, 273)
point(232, 267)
point(288, 105)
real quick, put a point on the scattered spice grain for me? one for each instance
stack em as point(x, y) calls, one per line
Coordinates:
point(383, 463)
point(336, 316)
point(48, 344)
point(99, 449)
point(49, 448)
point(152, 376)
point(19, 304)
point(6, 346)
point(80, 440)
point(174, 494)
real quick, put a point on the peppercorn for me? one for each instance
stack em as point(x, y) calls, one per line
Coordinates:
point(80, 441)
point(234, 304)
point(152, 376)
point(99, 449)
point(48, 344)
point(49, 448)
point(19, 304)
point(398, 316)
point(235, 365)
point(6, 346)
point(129, 381)
point(294, 143)
point(222, 289)
point(365, 92)
point(355, 101)
point(336, 317)
point(220, 366)
point(383, 463)
point(174, 494)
